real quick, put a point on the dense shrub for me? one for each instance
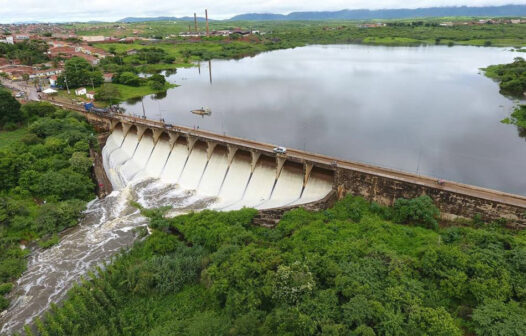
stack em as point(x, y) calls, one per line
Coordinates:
point(331, 272)
point(418, 211)
point(44, 184)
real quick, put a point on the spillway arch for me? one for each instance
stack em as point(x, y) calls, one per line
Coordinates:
point(234, 175)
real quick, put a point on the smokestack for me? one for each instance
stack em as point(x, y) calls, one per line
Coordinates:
point(195, 22)
point(206, 15)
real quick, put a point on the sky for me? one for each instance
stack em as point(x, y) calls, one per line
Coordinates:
point(110, 10)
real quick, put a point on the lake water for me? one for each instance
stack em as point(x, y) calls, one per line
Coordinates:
point(426, 110)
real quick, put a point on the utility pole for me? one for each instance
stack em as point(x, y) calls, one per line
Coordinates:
point(195, 22)
point(143, 110)
point(210, 70)
point(206, 15)
point(66, 80)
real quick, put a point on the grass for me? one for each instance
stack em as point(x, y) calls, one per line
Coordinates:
point(9, 138)
point(128, 92)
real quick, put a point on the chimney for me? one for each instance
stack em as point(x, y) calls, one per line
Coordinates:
point(206, 15)
point(195, 22)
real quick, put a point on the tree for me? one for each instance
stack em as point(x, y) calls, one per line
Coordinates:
point(129, 78)
point(292, 282)
point(9, 108)
point(109, 93)
point(418, 211)
point(496, 318)
point(157, 82)
point(37, 109)
point(80, 162)
point(79, 72)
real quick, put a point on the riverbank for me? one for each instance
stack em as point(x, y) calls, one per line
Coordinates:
point(45, 183)
point(340, 271)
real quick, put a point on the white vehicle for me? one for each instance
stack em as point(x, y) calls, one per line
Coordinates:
point(280, 150)
point(20, 94)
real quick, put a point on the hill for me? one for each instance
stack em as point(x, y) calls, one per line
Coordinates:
point(365, 14)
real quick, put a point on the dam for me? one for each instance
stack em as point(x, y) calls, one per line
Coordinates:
point(238, 173)
point(233, 177)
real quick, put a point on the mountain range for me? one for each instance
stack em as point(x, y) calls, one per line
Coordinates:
point(364, 14)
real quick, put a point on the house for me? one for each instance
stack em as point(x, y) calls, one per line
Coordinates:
point(88, 50)
point(45, 73)
point(21, 37)
point(17, 72)
point(81, 91)
point(64, 51)
point(53, 81)
point(516, 21)
point(8, 40)
point(90, 95)
point(93, 38)
point(108, 77)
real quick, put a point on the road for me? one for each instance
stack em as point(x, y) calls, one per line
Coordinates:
point(30, 90)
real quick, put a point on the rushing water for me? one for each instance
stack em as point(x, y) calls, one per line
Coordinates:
point(426, 110)
point(154, 174)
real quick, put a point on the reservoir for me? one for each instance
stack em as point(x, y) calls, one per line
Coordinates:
point(426, 110)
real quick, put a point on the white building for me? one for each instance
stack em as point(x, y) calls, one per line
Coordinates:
point(90, 95)
point(81, 91)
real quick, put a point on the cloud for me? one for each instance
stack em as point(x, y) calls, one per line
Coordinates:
point(83, 10)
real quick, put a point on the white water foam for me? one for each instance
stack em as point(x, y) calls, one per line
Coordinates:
point(152, 175)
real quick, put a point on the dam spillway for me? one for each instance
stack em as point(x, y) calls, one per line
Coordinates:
point(234, 178)
point(238, 188)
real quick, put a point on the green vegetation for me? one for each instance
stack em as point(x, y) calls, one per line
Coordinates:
point(426, 31)
point(28, 52)
point(512, 82)
point(126, 92)
point(77, 73)
point(349, 270)
point(511, 77)
point(45, 181)
point(518, 117)
point(9, 110)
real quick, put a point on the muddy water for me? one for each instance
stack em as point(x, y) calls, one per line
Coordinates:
point(107, 227)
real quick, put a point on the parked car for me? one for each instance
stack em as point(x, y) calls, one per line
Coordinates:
point(280, 150)
point(20, 94)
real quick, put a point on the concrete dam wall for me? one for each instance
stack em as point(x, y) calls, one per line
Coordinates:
point(233, 177)
point(254, 176)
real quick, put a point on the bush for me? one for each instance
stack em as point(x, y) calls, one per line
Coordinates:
point(129, 78)
point(5, 288)
point(31, 110)
point(9, 108)
point(496, 318)
point(4, 303)
point(418, 211)
point(10, 126)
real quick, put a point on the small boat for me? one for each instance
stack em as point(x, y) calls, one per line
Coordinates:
point(202, 111)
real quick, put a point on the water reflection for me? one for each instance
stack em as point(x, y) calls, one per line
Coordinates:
point(160, 95)
point(426, 110)
point(132, 101)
